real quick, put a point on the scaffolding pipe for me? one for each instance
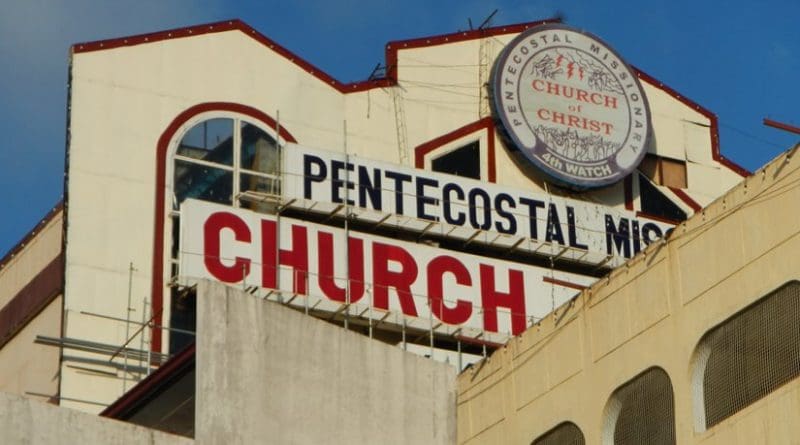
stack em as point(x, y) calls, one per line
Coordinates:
point(346, 230)
point(127, 326)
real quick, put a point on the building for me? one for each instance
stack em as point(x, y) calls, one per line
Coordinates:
point(692, 341)
point(433, 208)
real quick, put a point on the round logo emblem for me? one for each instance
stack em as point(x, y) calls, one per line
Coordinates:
point(571, 105)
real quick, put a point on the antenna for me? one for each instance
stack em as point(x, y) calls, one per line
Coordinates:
point(488, 20)
point(377, 72)
point(781, 126)
point(485, 24)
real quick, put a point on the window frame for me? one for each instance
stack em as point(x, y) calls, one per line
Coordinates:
point(170, 262)
point(481, 131)
point(236, 168)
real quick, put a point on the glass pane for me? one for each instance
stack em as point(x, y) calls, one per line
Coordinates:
point(183, 316)
point(259, 151)
point(201, 182)
point(464, 161)
point(176, 235)
point(266, 190)
point(210, 140)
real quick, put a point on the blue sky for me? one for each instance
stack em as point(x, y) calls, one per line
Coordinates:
point(740, 59)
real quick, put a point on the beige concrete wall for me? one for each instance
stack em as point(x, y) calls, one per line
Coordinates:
point(38, 253)
point(266, 373)
point(29, 368)
point(651, 312)
point(25, 421)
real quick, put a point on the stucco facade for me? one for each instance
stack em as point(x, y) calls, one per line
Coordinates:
point(652, 312)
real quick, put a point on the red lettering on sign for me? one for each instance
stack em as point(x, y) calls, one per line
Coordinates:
point(297, 258)
point(513, 300)
point(383, 278)
point(212, 229)
point(355, 269)
point(436, 270)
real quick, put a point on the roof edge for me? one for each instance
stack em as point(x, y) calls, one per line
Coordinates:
point(715, 149)
point(390, 79)
point(391, 50)
point(162, 376)
point(21, 244)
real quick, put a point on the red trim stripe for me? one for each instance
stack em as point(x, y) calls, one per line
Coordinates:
point(32, 299)
point(686, 198)
point(781, 126)
point(393, 47)
point(714, 130)
point(627, 186)
point(641, 214)
point(237, 25)
point(486, 124)
point(563, 283)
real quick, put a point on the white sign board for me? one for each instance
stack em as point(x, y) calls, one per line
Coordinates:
point(453, 206)
point(382, 275)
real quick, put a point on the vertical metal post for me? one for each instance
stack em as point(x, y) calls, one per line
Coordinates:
point(127, 327)
point(150, 342)
point(306, 303)
point(460, 364)
point(279, 173)
point(347, 298)
point(278, 220)
point(141, 335)
point(369, 308)
point(236, 162)
point(404, 334)
point(430, 325)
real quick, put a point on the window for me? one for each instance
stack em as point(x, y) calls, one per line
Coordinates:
point(464, 161)
point(664, 171)
point(641, 411)
point(566, 433)
point(654, 202)
point(225, 160)
point(747, 356)
point(467, 151)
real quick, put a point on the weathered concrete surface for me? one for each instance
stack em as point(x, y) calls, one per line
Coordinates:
point(267, 374)
point(26, 421)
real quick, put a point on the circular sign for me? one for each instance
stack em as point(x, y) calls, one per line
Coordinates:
point(571, 105)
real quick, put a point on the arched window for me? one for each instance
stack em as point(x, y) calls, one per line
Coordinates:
point(641, 411)
point(227, 161)
point(224, 158)
point(747, 356)
point(566, 433)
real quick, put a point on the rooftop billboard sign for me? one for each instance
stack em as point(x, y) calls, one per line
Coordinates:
point(571, 106)
point(376, 276)
point(461, 208)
